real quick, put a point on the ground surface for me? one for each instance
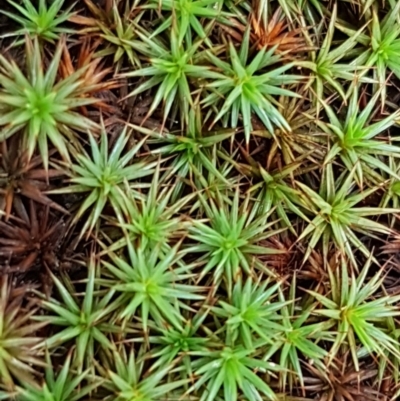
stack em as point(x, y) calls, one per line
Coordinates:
point(199, 200)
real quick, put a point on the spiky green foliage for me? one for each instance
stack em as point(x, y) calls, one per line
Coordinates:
point(276, 191)
point(171, 68)
point(381, 45)
point(228, 244)
point(193, 152)
point(303, 142)
point(116, 28)
point(357, 313)
point(246, 87)
point(298, 338)
point(338, 216)
point(61, 386)
point(35, 102)
point(232, 174)
point(232, 370)
point(189, 15)
point(356, 139)
point(44, 21)
point(82, 319)
point(19, 351)
point(152, 282)
point(176, 345)
point(152, 220)
point(103, 175)
point(252, 313)
point(327, 65)
point(211, 186)
point(126, 380)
